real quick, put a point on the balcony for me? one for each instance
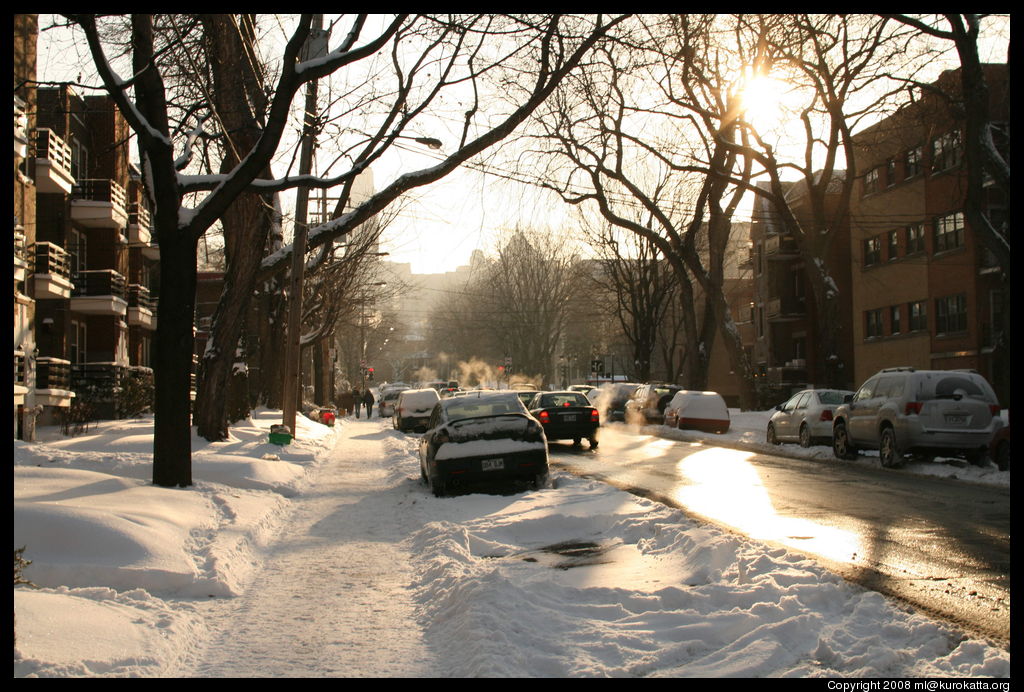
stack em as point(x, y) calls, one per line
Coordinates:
point(21, 139)
point(53, 163)
point(140, 307)
point(20, 388)
point(139, 227)
point(99, 203)
point(791, 309)
point(52, 275)
point(100, 292)
point(22, 265)
point(780, 247)
point(53, 382)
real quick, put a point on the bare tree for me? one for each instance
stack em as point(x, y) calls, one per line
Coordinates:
point(427, 54)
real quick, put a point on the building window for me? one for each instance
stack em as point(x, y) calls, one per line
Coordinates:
point(946, 151)
point(915, 239)
point(872, 252)
point(871, 182)
point(949, 232)
point(77, 252)
point(890, 172)
point(918, 316)
point(872, 324)
point(951, 314)
point(895, 321)
point(77, 342)
point(893, 245)
point(912, 163)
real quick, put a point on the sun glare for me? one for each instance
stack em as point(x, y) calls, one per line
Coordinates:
point(761, 100)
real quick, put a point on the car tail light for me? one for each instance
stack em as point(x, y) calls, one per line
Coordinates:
point(544, 417)
point(826, 414)
point(595, 417)
point(913, 407)
point(994, 409)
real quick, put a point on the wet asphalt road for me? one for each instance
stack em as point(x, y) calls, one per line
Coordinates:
point(940, 545)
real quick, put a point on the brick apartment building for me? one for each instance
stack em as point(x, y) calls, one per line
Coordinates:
point(926, 294)
point(84, 258)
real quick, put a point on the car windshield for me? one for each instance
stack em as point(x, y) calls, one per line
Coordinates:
point(563, 399)
point(475, 407)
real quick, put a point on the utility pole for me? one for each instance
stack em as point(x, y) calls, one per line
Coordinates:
point(316, 46)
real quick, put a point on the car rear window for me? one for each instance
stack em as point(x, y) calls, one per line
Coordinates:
point(476, 407)
point(567, 399)
point(958, 385)
point(831, 398)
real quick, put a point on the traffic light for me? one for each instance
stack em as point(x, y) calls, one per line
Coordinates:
point(369, 373)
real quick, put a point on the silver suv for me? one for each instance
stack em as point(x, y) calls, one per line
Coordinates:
point(928, 413)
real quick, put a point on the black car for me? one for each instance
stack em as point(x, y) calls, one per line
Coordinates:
point(647, 405)
point(566, 416)
point(482, 438)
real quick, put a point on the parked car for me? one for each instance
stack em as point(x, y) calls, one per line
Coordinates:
point(386, 404)
point(648, 402)
point(610, 399)
point(692, 410)
point(566, 416)
point(412, 410)
point(482, 437)
point(927, 413)
point(806, 418)
point(999, 448)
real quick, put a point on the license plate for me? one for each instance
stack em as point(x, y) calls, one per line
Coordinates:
point(569, 419)
point(955, 419)
point(492, 464)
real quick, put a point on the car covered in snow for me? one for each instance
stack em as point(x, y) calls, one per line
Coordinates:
point(482, 438)
point(806, 418)
point(412, 409)
point(693, 410)
point(567, 416)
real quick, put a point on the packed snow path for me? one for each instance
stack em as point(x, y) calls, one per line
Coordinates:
point(333, 597)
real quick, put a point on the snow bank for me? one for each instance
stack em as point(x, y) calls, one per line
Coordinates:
point(576, 579)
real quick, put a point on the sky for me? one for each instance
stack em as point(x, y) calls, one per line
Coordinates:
point(439, 226)
point(328, 557)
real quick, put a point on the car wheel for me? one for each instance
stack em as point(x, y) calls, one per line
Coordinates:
point(978, 457)
point(593, 442)
point(772, 438)
point(437, 486)
point(576, 441)
point(540, 481)
point(841, 446)
point(1002, 456)
point(805, 436)
point(888, 450)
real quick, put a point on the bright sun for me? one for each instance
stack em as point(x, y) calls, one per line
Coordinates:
point(761, 100)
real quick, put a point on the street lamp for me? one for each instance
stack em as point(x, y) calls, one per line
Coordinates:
point(431, 142)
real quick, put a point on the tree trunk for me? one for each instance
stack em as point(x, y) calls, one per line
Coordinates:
point(172, 360)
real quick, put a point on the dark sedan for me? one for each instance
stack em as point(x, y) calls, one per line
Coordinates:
point(482, 438)
point(566, 416)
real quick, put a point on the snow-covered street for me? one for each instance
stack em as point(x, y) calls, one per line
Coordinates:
point(328, 557)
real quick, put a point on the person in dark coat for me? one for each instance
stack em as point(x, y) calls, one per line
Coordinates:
point(368, 400)
point(345, 403)
point(357, 399)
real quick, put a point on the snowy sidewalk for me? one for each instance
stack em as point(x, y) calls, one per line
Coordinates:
point(332, 598)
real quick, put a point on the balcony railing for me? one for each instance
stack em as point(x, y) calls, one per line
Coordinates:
point(20, 128)
point(780, 247)
point(53, 163)
point(791, 308)
point(19, 367)
point(53, 373)
point(139, 297)
point(100, 203)
point(52, 259)
point(22, 260)
point(100, 282)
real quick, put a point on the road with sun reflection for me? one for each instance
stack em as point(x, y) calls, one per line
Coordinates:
point(939, 544)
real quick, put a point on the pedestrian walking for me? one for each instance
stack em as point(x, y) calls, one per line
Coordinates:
point(368, 400)
point(356, 399)
point(345, 403)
